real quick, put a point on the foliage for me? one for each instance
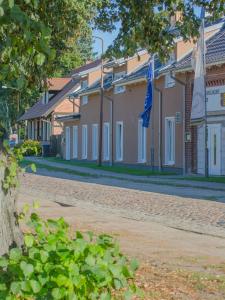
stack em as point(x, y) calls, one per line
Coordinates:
point(29, 148)
point(77, 54)
point(37, 38)
point(55, 265)
point(147, 23)
point(11, 163)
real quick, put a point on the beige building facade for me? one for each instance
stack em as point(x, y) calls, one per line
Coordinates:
point(171, 142)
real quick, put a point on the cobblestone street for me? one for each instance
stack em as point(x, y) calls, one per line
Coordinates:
point(174, 237)
point(135, 200)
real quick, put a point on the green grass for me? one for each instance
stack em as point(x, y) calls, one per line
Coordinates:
point(26, 163)
point(216, 179)
point(114, 169)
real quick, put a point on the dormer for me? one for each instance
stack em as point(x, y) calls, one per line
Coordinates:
point(182, 48)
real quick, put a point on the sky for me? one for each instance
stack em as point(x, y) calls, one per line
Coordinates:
point(109, 37)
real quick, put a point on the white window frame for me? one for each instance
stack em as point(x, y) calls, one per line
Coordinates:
point(45, 98)
point(84, 84)
point(94, 141)
point(106, 141)
point(119, 141)
point(75, 142)
point(168, 160)
point(169, 81)
point(84, 141)
point(84, 99)
point(32, 130)
point(29, 130)
point(67, 143)
point(118, 89)
point(48, 129)
point(142, 142)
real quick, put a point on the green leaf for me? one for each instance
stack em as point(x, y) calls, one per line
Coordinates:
point(105, 296)
point(27, 269)
point(44, 256)
point(15, 254)
point(11, 3)
point(36, 204)
point(35, 285)
point(25, 286)
point(134, 264)
point(40, 59)
point(3, 287)
point(33, 168)
point(15, 287)
point(29, 240)
point(1, 11)
point(58, 293)
point(128, 295)
point(90, 260)
point(3, 262)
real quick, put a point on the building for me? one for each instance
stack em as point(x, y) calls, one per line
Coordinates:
point(171, 141)
point(41, 123)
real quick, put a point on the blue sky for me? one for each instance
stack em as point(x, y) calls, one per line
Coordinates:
point(109, 37)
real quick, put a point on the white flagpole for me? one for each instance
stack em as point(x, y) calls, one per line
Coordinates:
point(206, 122)
point(152, 114)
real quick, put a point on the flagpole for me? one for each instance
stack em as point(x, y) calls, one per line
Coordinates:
point(152, 120)
point(206, 121)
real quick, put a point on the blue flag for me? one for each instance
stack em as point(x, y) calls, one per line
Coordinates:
point(148, 99)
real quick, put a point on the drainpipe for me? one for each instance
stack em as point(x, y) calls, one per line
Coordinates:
point(160, 129)
point(183, 84)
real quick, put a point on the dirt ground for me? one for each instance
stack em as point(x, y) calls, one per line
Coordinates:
point(174, 263)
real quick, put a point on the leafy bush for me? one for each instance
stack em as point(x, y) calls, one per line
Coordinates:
point(30, 148)
point(53, 265)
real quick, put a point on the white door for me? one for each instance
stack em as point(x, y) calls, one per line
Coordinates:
point(84, 142)
point(67, 143)
point(75, 141)
point(94, 141)
point(214, 142)
point(106, 141)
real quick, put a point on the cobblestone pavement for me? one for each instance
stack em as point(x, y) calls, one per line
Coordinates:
point(138, 201)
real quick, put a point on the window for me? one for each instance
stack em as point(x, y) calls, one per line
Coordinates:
point(119, 141)
point(48, 129)
point(170, 140)
point(119, 88)
point(84, 141)
point(106, 135)
point(32, 130)
point(94, 141)
point(84, 84)
point(141, 142)
point(75, 141)
point(67, 139)
point(45, 97)
point(169, 81)
point(29, 129)
point(84, 99)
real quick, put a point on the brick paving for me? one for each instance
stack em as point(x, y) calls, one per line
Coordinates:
point(138, 201)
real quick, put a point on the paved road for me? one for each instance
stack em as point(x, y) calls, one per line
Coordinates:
point(138, 201)
point(169, 185)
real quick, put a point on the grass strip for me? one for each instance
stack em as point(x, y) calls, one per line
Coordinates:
point(143, 181)
point(27, 163)
point(113, 169)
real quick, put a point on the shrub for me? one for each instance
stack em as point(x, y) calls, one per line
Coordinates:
point(54, 265)
point(30, 148)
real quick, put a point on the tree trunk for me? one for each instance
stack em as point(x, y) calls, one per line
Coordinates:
point(10, 233)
